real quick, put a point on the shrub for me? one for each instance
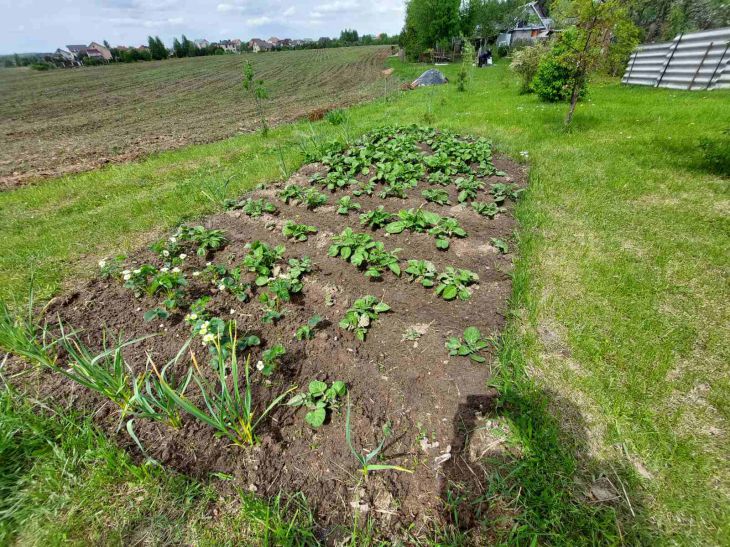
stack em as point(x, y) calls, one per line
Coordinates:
point(525, 64)
point(556, 75)
point(716, 153)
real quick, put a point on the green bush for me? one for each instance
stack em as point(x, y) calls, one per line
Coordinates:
point(556, 75)
point(525, 64)
point(716, 153)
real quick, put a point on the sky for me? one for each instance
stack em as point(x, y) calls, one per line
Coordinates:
point(44, 25)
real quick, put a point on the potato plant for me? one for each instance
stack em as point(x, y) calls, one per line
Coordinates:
point(436, 195)
point(298, 232)
point(306, 332)
point(468, 187)
point(261, 259)
point(446, 228)
point(257, 207)
point(469, 346)
point(504, 191)
point(345, 205)
point(489, 210)
point(360, 316)
point(454, 283)
point(319, 399)
point(376, 218)
point(422, 271)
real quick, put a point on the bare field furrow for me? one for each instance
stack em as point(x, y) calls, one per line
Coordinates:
point(66, 121)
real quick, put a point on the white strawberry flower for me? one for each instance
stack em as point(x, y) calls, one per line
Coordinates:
point(183, 256)
point(165, 253)
point(196, 274)
point(165, 269)
point(176, 270)
point(260, 366)
point(102, 263)
point(221, 287)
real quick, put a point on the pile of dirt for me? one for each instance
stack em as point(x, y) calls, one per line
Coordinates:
point(401, 375)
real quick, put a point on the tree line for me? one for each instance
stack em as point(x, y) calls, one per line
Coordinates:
point(436, 23)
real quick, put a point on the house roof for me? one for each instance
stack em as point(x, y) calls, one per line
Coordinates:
point(76, 48)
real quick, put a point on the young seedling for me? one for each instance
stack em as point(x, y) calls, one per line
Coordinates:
point(378, 260)
point(229, 280)
point(440, 178)
point(351, 246)
point(415, 220)
point(377, 218)
point(445, 229)
point(470, 346)
point(489, 210)
point(271, 308)
point(500, 245)
point(360, 316)
point(436, 195)
point(319, 399)
point(345, 205)
point(292, 192)
point(334, 180)
point(503, 191)
point(364, 459)
point(306, 332)
point(257, 207)
point(468, 188)
point(366, 188)
point(298, 232)
point(155, 314)
point(453, 283)
point(313, 199)
point(422, 271)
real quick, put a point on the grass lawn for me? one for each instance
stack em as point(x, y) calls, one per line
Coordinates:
point(614, 369)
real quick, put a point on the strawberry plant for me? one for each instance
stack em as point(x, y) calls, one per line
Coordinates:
point(415, 220)
point(377, 218)
point(155, 314)
point(206, 240)
point(502, 192)
point(468, 188)
point(360, 316)
point(257, 207)
point(298, 232)
point(422, 271)
point(306, 332)
point(469, 346)
point(489, 210)
point(319, 400)
point(445, 229)
point(138, 279)
point(271, 308)
point(436, 195)
point(270, 359)
point(170, 283)
point(454, 283)
point(261, 259)
point(229, 280)
point(345, 205)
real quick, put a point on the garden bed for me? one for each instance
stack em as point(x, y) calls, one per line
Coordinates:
point(432, 409)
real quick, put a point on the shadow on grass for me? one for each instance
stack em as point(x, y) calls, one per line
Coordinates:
point(534, 484)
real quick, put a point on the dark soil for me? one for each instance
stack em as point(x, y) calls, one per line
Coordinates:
point(413, 385)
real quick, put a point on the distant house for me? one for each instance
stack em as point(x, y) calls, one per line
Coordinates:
point(531, 26)
point(101, 49)
point(77, 50)
point(274, 41)
point(61, 57)
point(256, 45)
point(202, 44)
point(230, 46)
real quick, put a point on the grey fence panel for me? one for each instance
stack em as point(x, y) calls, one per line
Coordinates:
point(692, 62)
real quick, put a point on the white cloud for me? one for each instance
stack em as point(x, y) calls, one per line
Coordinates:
point(337, 6)
point(288, 12)
point(259, 21)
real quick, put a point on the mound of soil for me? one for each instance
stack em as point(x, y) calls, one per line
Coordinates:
point(433, 402)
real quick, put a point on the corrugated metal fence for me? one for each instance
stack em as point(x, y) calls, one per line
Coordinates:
point(696, 61)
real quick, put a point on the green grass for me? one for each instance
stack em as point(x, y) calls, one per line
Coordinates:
point(615, 363)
